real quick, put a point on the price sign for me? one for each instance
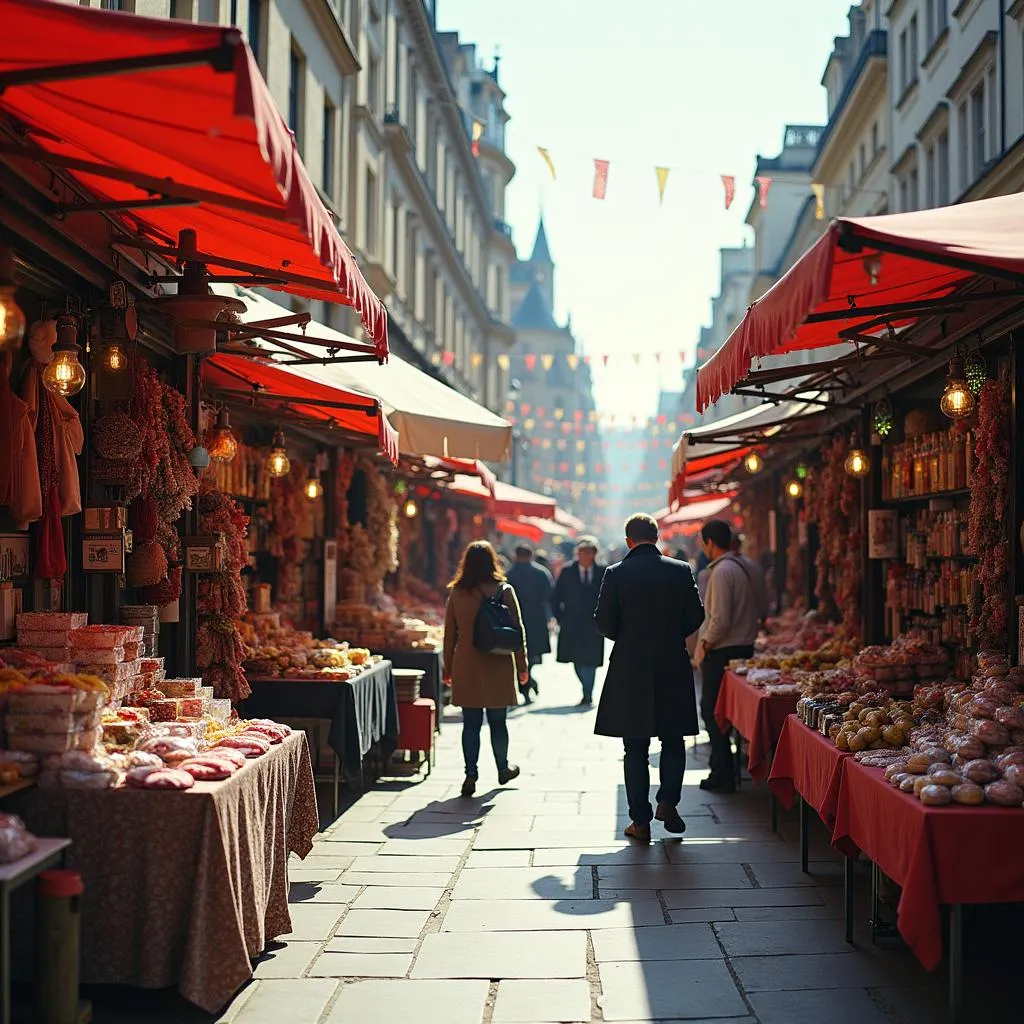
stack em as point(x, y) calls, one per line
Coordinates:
point(330, 564)
point(103, 552)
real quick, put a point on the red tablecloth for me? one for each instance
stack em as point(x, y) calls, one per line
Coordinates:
point(757, 717)
point(938, 855)
point(810, 764)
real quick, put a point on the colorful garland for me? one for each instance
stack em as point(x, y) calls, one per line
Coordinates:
point(987, 520)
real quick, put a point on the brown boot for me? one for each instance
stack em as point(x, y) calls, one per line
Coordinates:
point(637, 831)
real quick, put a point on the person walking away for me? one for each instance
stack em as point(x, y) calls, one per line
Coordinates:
point(729, 630)
point(579, 640)
point(649, 606)
point(481, 681)
point(534, 589)
point(756, 576)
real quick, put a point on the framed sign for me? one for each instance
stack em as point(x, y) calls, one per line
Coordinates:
point(14, 555)
point(103, 552)
point(773, 531)
point(883, 534)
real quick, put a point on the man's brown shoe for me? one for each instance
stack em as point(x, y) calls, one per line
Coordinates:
point(637, 831)
point(669, 817)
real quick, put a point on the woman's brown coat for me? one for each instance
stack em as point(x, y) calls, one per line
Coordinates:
point(479, 680)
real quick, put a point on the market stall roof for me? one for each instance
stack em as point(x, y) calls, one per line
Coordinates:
point(465, 467)
point(507, 500)
point(531, 528)
point(430, 417)
point(172, 124)
point(688, 520)
point(569, 521)
point(276, 387)
point(722, 444)
point(871, 274)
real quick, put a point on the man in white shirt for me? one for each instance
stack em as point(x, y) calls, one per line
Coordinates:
point(733, 617)
point(756, 574)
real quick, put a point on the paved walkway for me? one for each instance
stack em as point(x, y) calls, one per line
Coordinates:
point(526, 906)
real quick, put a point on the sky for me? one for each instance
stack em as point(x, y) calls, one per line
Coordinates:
point(701, 88)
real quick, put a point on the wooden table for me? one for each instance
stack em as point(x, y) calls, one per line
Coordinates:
point(12, 876)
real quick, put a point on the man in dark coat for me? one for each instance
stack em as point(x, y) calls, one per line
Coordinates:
point(579, 640)
point(534, 588)
point(649, 606)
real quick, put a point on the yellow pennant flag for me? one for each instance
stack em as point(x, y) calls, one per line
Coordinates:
point(573, 360)
point(819, 200)
point(637, 357)
point(504, 362)
point(547, 361)
point(477, 360)
point(662, 173)
point(546, 157)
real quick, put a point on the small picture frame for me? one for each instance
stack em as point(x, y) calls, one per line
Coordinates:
point(15, 550)
point(883, 534)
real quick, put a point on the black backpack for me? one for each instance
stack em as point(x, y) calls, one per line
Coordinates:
point(495, 631)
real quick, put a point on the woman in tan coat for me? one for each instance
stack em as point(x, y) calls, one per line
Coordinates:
point(481, 681)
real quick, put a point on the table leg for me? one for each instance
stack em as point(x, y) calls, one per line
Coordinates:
point(848, 897)
point(739, 758)
point(773, 803)
point(874, 904)
point(805, 821)
point(337, 785)
point(5, 954)
point(956, 963)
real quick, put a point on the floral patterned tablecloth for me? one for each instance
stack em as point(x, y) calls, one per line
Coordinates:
point(184, 888)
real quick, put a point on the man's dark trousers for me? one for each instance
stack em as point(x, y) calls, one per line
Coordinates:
point(711, 671)
point(636, 768)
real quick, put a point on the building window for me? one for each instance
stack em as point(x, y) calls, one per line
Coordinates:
point(330, 147)
point(863, 160)
point(257, 9)
point(912, 29)
point(371, 213)
point(904, 196)
point(964, 145)
point(874, 140)
point(904, 68)
point(942, 160)
point(913, 190)
point(296, 93)
point(373, 86)
point(929, 173)
point(978, 129)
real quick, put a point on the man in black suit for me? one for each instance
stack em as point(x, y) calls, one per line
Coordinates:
point(579, 641)
point(649, 605)
point(533, 586)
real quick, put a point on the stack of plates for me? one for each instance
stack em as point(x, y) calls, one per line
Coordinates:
point(147, 616)
point(407, 684)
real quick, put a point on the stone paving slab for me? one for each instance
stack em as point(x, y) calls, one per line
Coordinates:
point(524, 883)
point(668, 990)
point(499, 859)
point(393, 897)
point(772, 875)
point(549, 915)
point(712, 851)
point(499, 955)
point(345, 848)
point(285, 959)
point(446, 847)
point(669, 942)
point(429, 880)
point(685, 899)
point(313, 920)
point(837, 1006)
point(752, 938)
point(363, 944)
point(395, 924)
point(405, 1002)
point(610, 855)
point(405, 865)
point(296, 1000)
point(533, 1002)
point(675, 876)
point(853, 969)
point(311, 892)
point(361, 965)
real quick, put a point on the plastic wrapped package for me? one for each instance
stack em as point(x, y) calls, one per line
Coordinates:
point(190, 707)
point(97, 655)
point(101, 637)
point(26, 765)
point(43, 700)
point(37, 638)
point(220, 709)
point(41, 742)
point(55, 722)
point(70, 779)
point(195, 731)
point(182, 687)
point(166, 710)
point(132, 651)
point(111, 673)
point(55, 655)
point(15, 840)
point(33, 621)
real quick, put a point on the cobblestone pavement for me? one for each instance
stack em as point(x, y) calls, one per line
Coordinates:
point(525, 905)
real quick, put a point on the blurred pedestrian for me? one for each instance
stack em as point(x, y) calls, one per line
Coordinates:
point(481, 681)
point(756, 576)
point(579, 640)
point(728, 632)
point(534, 589)
point(649, 606)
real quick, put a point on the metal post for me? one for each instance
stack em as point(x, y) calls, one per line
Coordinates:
point(956, 963)
point(774, 803)
point(848, 897)
point(805, 821)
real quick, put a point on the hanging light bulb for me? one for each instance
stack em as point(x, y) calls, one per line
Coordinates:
point(278, 463)
point(114, 358)
point(957, 400)
point(857, 463)
point(794, 489)
point(753, 463)
point(12, 319)
point(64, 374)
point(976, 371)
point(314, 489)
point(410, 509)
point(872, 267)
point(221, 442)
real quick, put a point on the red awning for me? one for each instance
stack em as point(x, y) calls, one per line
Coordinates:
point(173, 112)
point(279, 388)
point(874, 264)
point(687, 521)
point(530, 528)
point(467, 467)
point(507, 500)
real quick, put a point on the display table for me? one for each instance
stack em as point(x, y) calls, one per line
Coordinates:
point(809, 765)
point(184, 888)
point(431, 664)
point(756, 716)
point(47, 853)
point(362, 712)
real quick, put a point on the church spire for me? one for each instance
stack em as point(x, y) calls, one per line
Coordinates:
point(541, 253)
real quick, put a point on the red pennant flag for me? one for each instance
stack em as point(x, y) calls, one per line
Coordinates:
point(729, 183)
point(530, 360)
point(600, 178)
point(763, 184)
point(448, 358)
point(525, 409)
point(604, 359)
point(586, 360)
point(682, 357)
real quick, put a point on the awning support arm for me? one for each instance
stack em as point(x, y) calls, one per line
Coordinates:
point(371, 410)
point(277, 336)
point(112, 206)
point(781, 373)
point(884, 341)
point(750, 393)
point(220, 58)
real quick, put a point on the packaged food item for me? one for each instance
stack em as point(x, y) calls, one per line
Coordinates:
point(63, 621)
point(15, 840)
point(251, 745)
point(41, 742)
point(111, 673)
point(167, 778)
point(229, 754)
point(165, 710)
point(191, 707)
point(44, 638)
point(220, 708)
point(181, 687)
point(170, 747)
point(25, 764)
point(208, 769)
point(58, 721)
point(132, 651)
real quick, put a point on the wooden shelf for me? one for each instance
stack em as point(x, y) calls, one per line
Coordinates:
point(962, 492)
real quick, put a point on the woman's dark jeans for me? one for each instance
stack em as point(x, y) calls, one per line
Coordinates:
point(472, 723)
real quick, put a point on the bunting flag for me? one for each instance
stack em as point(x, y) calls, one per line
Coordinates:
point(662, 173)
point(530, 360)
point(819, 200)
point(600, 179)
point(504, 361)
point(546, 157)
point(477, 360)
point(448, 358)
point(478, 130)
point(573, 361)
point(729, 184)
point(547, 361)
point(764, 183)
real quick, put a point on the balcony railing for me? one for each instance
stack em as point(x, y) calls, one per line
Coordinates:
point(392, 114)
point(505, 229)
